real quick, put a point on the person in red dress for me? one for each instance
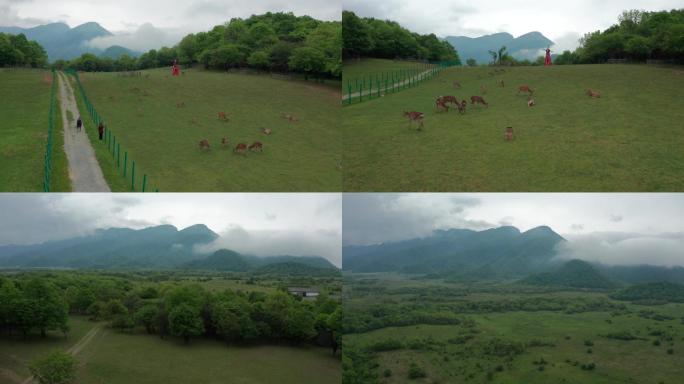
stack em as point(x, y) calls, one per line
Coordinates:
point(547, 60)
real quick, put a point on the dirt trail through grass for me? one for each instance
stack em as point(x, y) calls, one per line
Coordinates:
point(390, 88)
point(84, 170)
point(76, 348)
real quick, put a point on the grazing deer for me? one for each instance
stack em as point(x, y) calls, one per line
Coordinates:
point(240, 148)
point(462, 107)
point(457, 84)
point(530, 102)
point(503, 85)
point(266, 131)
point(224, 141)
point(483, 89)
point(222, 116)
point(180, 105)
point(415, 116)
point(256, 147)
point(204, 144)
point(508, 134)
point(478, 99)
point(290, 117)
point(441, 105)
point(593, 94)
point(450, 99)
point(525, 88)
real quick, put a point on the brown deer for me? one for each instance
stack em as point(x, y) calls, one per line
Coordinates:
point(240, 148)
point(457, 84)
point(224, 141)
point(450, 99)
point(222, 116)
point(525, 88)
point(530, 102)
point(462, 107)
point(204, 144)
point(180, 105)
point(503, 85)
point(256, 147)
point(593, 94)
point(478, 99)
point(483, 89)
point(266, 131)
point(415, 116)
point(441, 105)
point(290, 117)
point(508, 134)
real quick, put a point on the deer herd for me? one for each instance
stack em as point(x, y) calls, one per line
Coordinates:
point(442, 103)
point(240, 148)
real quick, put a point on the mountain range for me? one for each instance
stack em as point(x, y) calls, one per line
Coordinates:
point(497, 254)
point(160, 247)
point(62, 42)
point(527, 46)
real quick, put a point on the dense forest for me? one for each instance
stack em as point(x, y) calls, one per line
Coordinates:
point(638, 36)
point(368, 37)
point(30, 303)
point(279, 42)
point(18, 51)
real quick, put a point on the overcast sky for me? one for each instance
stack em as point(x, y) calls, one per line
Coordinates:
point(611, 228)
point(260, 224)
point(147, 24)
point(561, 21)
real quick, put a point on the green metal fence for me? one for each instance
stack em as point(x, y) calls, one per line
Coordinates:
point(377, 85)
point(47, 165)
point(137, 180)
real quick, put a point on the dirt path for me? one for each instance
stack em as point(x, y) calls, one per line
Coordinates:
point(84, 170)
point(76, 348)
point(400, 84)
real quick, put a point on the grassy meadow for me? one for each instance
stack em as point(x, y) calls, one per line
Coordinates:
point(160, 120)
point(628, 140)
point(357, 69)
point(24, 126)
point(481, 348)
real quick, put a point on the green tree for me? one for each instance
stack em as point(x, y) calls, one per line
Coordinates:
point(48, 308)
point(147, 317)
point(308, 60)
point(185, 322)
point(54, 368)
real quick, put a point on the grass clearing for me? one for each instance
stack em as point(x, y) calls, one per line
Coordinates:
point(358, 69)
point(160, 120)
point(628, 140)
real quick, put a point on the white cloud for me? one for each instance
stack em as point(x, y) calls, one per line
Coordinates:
point(144, 38)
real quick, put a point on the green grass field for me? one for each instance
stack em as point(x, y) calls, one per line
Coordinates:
point(628, 140)
point(449, 357)
point(23, 127)
point(163, 139)
point(114, 357)
point(358, 69)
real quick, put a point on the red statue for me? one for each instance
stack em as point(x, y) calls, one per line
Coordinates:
point(547, 60)
point(175, 69)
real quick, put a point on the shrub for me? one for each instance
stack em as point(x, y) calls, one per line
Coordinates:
point(386, 345)
point(54, 368)
point(416, 372)
point(670, 351)
point(387, 373)
point(656, 342)
point(588, 343)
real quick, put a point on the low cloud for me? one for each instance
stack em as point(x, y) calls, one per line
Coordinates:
point(144, 38)
point(324, 243)
point(376, 218)
point(625, 249)
point(568, 41)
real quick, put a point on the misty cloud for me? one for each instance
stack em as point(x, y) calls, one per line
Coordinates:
point(625, 249)
point(324, 243)
point(376, 218)
point(146, 37)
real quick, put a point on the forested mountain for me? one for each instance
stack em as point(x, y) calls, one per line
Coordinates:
point(527, 46)
point(369, 37)
point(652, 293)
point(162, 246)
point(503, 251)
point(62, 42)
point(575, 274)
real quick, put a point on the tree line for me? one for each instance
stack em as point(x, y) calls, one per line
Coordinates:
point(184, 311)
point(280, 42)
point(369, 37)
point(637, 36)
point(18, 51)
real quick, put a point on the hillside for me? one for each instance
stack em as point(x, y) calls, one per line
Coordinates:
point(227, 260)
point(503, 251)
point(62, 42)
point(527, 46)
point(653, 293)
point(574, 273)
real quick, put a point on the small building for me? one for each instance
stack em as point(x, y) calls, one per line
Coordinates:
point(306, 293)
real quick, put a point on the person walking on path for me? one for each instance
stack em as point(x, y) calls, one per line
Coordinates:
point(79, 124)
point(547, 60)
point(100, 130)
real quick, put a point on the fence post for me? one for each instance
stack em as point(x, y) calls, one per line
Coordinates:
point(118, 155)
point(133, 176)
point(144, 182)
point(125, 163)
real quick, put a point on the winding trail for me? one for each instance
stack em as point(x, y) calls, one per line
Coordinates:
point(76, 348)
point(84, 170)
point(391, 88)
